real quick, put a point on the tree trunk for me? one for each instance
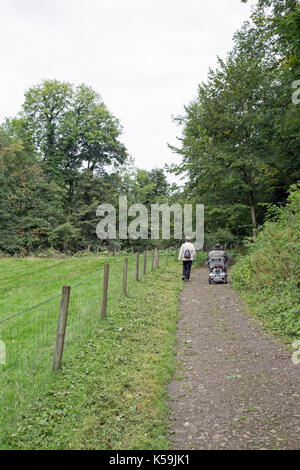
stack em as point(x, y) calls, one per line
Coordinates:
point(71, 194)
point(253, 213)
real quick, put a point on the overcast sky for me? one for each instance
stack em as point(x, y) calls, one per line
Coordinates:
point(145, 58)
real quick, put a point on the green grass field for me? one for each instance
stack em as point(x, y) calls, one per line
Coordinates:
point(30, 338)
point(28, 281)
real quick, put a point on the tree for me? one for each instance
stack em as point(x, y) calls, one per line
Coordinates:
point(59, 159)
point(92, 190)
point(277, 31)
point(149, 187)
point(218, 144)
point(30, 205)
point(71, 129)
point(239, 143)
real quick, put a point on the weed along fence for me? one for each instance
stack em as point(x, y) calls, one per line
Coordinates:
point(35, 341)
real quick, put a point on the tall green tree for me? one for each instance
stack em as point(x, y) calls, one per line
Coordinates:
point(30, 205)
point(240, 142)
point(71, 129)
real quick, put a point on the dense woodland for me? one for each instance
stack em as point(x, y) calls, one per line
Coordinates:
point(62, 155)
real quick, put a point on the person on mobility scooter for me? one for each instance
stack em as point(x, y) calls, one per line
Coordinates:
point(216, 261)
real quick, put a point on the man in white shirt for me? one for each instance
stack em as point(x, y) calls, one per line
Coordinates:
point(187, 254)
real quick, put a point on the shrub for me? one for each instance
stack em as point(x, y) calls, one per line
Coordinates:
point(64, 237)
point(268, 276)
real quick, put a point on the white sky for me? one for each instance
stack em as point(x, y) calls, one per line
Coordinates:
point(144, 57)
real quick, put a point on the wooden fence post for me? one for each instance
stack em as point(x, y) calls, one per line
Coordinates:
point(152, 260)
point(61, 328)
point(125, 275)
point(105, 290)
point(145, 262)
point(167, 255)
point(137, 270)
point(157, 258)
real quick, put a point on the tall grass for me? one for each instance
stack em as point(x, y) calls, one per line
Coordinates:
point(30, 336)
point(268, 276)
point(111, 392)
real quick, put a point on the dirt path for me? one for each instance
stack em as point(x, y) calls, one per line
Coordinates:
point(235, 387)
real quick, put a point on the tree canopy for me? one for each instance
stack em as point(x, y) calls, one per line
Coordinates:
point(62, 155)
point(240, 142)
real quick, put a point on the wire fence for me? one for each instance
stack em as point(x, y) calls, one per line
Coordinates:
point(30, 336)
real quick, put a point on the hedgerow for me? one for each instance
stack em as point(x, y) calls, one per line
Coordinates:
point(268, 276)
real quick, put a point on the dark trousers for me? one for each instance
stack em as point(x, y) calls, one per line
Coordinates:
point(186, 269)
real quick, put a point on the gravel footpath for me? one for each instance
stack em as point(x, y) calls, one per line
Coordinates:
point(235, 387)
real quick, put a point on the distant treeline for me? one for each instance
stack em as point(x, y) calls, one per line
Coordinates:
point(62, 155)
point(59, 159)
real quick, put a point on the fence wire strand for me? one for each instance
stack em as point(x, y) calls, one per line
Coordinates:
point(30, 341)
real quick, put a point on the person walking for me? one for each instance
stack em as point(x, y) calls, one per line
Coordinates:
point(187, 254)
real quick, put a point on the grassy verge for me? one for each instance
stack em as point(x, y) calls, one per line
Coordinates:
point(268, 276)
point(200, 259)
point(28, 281)
point(111, 393)
point(29, 337)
